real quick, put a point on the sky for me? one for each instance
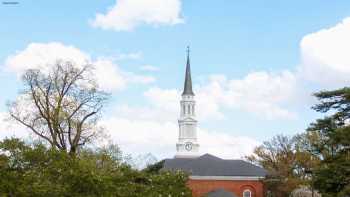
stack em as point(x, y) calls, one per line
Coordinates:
point(255, 64)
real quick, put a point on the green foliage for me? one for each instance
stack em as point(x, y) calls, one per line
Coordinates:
point(35, 170)
point(331, 143)
point(286, 162)
point(319, 158)
point(155, 168)
point(332, 178)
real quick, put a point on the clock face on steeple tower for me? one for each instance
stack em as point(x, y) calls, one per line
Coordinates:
point(187, 145)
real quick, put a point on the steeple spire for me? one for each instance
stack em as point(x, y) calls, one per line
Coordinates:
point(187, 145)
point(188, 80)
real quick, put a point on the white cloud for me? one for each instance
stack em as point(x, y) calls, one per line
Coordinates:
point(159, 138)
point(125, 15)
point(145, 112)
point(226, 145)
point(325, 55)
point(261, 93)
point(152, 127)
point(149, 68)
point(165, 104)
point(109, 75)
point(162, 105)
point(10, 129)
point(142, 136)
point(165, 99)
point(42, 55)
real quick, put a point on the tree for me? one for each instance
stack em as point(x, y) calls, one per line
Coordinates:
point(36, 170)
point(285, 162)
point(319, 158)
point(155, 168)
point(331, 143)
point(61, 105)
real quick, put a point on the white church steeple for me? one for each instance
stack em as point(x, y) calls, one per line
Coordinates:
point(187, 145)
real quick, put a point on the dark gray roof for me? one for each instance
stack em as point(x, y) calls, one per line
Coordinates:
point(188, 80)
point(209, 165)
point(220, 193)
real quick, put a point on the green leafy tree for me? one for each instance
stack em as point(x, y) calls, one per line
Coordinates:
point(36, 170)
point(330, 141)
point(286, 163)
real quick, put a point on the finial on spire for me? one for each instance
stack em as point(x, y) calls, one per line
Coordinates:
point(188, 51)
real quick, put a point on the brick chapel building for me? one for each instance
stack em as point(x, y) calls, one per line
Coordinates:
point(209, 175)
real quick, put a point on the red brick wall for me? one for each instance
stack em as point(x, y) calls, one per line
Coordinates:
point(202, 187)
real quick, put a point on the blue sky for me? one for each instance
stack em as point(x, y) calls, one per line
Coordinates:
point(236, 47)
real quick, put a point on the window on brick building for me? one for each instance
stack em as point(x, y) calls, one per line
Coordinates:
point(247, 193)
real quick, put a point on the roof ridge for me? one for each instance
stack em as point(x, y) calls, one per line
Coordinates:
point(206, 155)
